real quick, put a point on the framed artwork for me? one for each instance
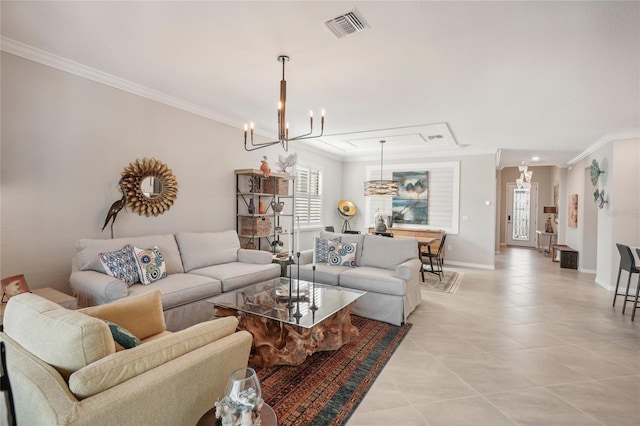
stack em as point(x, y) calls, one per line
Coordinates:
point(573, 211)
point(12, 286)
point(410, 205)
point(556, 199)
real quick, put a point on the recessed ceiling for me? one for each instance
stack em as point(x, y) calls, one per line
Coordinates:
point(509, 78)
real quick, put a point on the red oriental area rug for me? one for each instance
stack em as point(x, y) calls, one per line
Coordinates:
point(328, 386)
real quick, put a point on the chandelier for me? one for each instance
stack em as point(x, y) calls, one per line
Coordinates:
point(524, 182)
point(283, 125)
point(381, 187)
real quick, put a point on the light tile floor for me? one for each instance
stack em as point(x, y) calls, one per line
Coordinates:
point(528, 343)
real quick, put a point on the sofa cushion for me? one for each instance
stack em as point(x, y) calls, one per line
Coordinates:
point(343, 254)
point(142, 315)
point(373, 280)
point(325, 274)
point(235, 275)
point(67, 340)
point(124, 338)
point(180, 289)
point(122, 366)
point(387, 253)
point(121, 264)
point(322, 249)
point(201, 249)
point(347, 238)
point(150, 264)
point(87, 251)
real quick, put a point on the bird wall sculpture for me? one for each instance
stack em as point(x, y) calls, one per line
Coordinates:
point(115, 208)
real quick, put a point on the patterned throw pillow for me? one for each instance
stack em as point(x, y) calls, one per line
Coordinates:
point(122, 336)
point(121, 264)
point(150, 263)
point(322, 249)
point(343, 254)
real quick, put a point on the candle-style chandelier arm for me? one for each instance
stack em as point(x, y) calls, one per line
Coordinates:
point(283, 126)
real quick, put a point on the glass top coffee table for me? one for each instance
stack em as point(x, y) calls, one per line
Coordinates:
point(289, 326)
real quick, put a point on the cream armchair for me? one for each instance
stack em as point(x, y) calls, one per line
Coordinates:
point(65, 369)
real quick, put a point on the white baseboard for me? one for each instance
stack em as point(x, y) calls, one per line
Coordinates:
point(588, 271)
point(470, 265)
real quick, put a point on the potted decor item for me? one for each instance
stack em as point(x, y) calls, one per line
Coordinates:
point(277, 206)
point(242, 399)
point(251, 207)
point(380, 225)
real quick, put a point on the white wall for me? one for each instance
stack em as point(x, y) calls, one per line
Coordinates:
point(619, 220)
point(65, 140)
point(474, 243)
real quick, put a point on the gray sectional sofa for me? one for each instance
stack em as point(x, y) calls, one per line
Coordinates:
point(388, 269)
point(199, 265)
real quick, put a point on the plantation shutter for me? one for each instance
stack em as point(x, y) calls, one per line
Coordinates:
point(309, 196)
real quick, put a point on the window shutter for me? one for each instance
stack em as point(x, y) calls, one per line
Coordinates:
point(309, 196)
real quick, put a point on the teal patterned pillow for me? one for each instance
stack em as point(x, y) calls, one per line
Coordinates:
point(343, 254)
point(322, 249)
point(121, 264)
point(150, 264)
point(122, 336)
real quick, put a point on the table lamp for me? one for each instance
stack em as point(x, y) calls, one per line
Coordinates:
point(548, 226)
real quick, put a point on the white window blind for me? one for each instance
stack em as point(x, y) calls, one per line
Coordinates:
point(309, 196)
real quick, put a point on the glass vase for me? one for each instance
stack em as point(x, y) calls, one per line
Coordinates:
point(243, 389)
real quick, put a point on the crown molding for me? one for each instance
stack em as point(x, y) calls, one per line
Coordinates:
point(31, 53)
point(629, 134)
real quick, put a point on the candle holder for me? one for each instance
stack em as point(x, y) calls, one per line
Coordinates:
point(313, 306)
point(298, 315)
point(290, 303)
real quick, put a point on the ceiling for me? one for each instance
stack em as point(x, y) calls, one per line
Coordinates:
point(517, 79)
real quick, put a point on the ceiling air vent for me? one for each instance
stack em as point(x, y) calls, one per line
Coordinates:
point(345, 24)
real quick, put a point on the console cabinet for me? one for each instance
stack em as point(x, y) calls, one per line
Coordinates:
point(276, 192)
point(421, 235)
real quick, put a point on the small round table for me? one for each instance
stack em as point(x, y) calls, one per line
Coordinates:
point(267, 417)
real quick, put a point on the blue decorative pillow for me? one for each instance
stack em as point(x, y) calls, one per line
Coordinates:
point(121, 264)
point(122, 336)
point(343, 254)
point(150, 264)
point(322, 249)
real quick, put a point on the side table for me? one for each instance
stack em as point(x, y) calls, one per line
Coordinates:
point(54, 295)
point(267, 417)
point(283, 262)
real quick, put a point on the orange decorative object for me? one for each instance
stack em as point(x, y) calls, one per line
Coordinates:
point(261, 208)
point(264, 166)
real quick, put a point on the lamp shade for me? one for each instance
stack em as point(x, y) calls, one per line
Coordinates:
point(550, 209)
point(381, 187)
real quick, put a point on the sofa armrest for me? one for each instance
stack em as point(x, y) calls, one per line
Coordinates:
point(114, 369)
point(407, 270)
point(306, 257)
point(95, 288)
point(260, 257)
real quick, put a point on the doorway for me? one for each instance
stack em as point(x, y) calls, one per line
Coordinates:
point(522, 215)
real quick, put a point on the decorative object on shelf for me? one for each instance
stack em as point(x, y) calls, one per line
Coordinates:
point(151, 188)
point(598, 197)
point(254, 184)
point(283, 125)
point(381, 187)
point(381, 225)
point(287, 162)
point(595, 172)
point(115, 208)
point(251, 207)
point(264, 166)
point(524, 182)
point(242, 399)
point(277, 206)
point(261, 208)
point(548, 226)
point(347, 210)
point(13, 286)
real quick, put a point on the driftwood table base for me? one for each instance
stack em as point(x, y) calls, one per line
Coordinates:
point(278, 343)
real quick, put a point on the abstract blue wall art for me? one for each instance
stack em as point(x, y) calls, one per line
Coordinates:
point(410, 205)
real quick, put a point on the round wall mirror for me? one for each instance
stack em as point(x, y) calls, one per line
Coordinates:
point(150, 186)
